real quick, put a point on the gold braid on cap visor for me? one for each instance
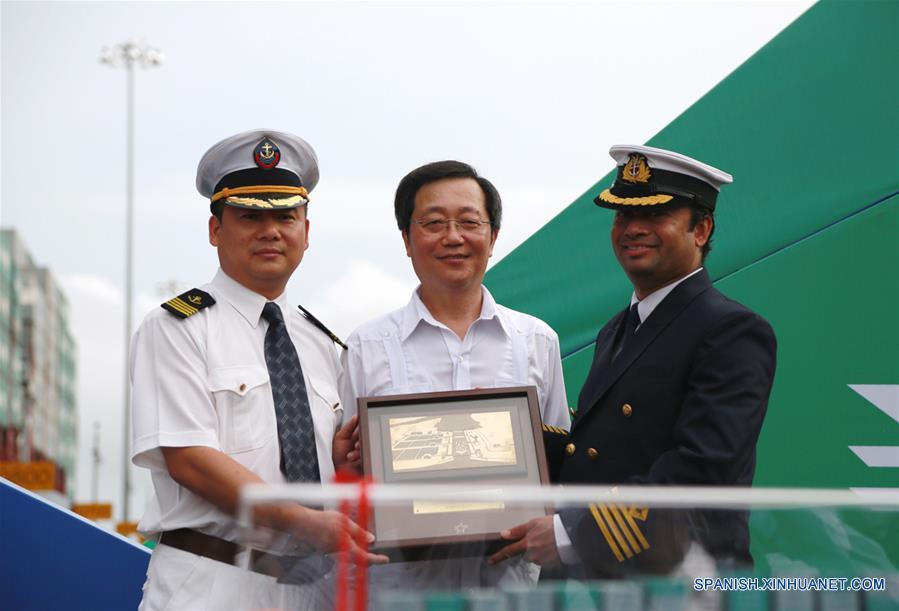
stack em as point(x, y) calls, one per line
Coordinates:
point(300, 193)
point(649, 200)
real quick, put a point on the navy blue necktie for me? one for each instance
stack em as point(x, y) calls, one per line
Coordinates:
point(296, 433)
point(630, 327)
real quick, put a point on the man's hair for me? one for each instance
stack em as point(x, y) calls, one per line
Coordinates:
point(404, 201)
point(696, 216)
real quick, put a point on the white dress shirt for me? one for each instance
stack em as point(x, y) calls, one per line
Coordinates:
point(408, 351)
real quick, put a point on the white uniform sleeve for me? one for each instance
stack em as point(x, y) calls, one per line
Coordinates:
point(555, 409)
point(352, 384)
point(171, 404)
point(567, 553)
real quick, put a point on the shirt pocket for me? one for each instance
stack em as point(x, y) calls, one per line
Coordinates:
point(324, 400)
point(505, 380)
point(246, 411)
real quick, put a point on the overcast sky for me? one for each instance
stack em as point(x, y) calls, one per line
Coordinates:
point(532, 94)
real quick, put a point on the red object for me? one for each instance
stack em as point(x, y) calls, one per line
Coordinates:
point(344, 560)
point(362, 567)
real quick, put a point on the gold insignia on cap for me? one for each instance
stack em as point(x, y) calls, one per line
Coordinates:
point(229, 194)
point(636, 170)
point(267, 203)
point(649, 200)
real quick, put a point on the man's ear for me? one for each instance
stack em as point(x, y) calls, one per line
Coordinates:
point(214, 226)
point(407, 243)
point(494, 234)
point(702, 231)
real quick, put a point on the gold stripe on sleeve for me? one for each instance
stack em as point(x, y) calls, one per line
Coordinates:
point(624, 528)
point(610, 522)
point(640, 514)
point(605, 533)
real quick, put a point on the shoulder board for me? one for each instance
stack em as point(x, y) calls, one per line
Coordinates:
point(321, 327)
point(554, 429)
point(187, 304)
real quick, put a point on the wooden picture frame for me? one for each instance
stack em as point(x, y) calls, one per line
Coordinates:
point(486, 437)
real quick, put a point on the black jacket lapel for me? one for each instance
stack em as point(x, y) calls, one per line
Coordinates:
point(607, 373)
point(605, 342)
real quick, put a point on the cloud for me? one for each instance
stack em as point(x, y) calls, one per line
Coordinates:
point(364, 291)
point(525, 210)
point(97, 323)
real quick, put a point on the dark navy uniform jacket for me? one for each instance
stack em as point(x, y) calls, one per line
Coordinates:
point(682, 404)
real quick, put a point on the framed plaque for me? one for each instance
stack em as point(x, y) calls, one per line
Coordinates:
point(486, 438)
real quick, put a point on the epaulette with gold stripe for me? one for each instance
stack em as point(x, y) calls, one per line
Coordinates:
point(619, 528)
point(321, 327)
point(187, 304)
point(548, 428)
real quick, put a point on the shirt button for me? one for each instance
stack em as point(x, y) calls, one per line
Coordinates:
point(569, 449)
point(243, 387)
point(592, 453)
point(627, 410)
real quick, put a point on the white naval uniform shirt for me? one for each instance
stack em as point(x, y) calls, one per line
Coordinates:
point(408, 351)
point(203, 381)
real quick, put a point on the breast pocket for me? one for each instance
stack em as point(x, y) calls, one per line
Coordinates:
point(323, 400)
point(505, 380)
point(243, 400)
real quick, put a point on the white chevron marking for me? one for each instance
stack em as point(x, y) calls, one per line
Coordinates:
point(884, 396)
point(878, 456)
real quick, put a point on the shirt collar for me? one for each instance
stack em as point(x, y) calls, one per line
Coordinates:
point(651, 301)
point(248, 303)
point(416, 312)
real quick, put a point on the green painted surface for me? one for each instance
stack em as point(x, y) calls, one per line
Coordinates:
point(833, 300)
point(835, 313)
point(808, 236)
point(809, 128)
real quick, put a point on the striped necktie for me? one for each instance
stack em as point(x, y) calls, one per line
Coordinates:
point(296, 433)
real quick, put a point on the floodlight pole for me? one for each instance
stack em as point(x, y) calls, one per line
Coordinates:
point(126, 55)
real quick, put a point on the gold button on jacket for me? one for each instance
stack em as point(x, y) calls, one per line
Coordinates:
point(627, 410)
point(569, 449)
point(592, 453)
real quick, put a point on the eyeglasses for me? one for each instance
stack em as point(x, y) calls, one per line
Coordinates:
point(439, 226)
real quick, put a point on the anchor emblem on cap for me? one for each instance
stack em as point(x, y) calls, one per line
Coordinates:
point(636, 169)
point(266, 154)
